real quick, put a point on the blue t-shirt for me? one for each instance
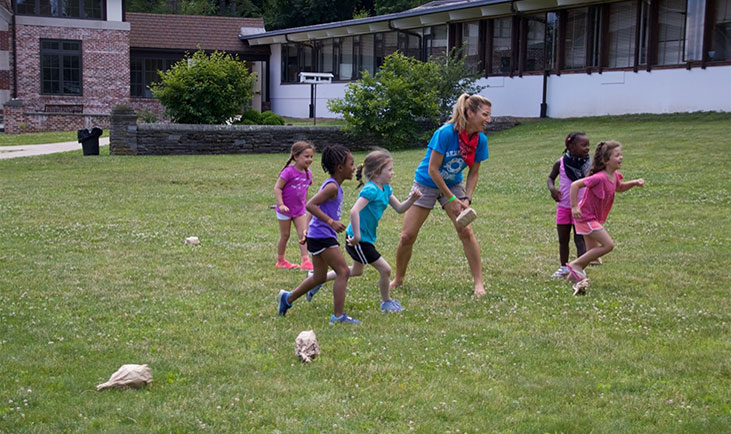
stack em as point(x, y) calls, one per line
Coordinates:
point(371, 214)
point(445, 142)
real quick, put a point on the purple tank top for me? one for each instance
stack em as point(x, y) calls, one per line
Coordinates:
point(564, 188)
point(332, 208)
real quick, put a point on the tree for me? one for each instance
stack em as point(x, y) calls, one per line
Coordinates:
point(393, 104)
point(205, 89)
point(455, 77)
point(404, 96)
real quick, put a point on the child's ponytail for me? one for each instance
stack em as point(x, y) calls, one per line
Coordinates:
point(359, 175)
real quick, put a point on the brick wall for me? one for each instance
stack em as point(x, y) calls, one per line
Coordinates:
point(105, 77)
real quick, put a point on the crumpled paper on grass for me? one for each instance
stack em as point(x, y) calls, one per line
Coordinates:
point(306, 346)
point(128, 376)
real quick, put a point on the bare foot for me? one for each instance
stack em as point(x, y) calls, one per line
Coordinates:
point(480, 291)
point(395, 284)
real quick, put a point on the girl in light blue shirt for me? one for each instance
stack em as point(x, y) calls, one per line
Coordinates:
point(372, 201)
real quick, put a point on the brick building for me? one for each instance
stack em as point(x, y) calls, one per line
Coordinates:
point(65, 64)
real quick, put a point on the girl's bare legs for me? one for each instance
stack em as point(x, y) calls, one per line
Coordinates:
point(471, 251)
point(333, 258)
point(355, 270)
point(413, 221)
point(283, 238)
point(598, 244)
point(300, 224)
point(384, 271)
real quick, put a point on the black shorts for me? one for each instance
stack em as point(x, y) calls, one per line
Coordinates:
point(318, 245)
point(365, 253)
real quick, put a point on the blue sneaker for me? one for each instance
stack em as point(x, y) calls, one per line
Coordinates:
point(391, 306)
point(283, 305)
point(311, 293)
point(343, 319)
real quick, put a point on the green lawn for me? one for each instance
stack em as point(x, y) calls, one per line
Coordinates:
point(40, 138)
point(94, 274)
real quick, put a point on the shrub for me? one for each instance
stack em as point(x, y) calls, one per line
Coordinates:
point(393, 104)
point(270, 118)
point(250, 117)
point(205, 89)
point(406, 98)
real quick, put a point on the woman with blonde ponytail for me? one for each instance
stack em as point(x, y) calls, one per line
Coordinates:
point(458, 144)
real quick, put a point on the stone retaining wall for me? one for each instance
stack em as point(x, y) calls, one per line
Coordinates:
point(129, 138)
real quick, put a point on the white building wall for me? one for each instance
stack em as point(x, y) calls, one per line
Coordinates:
point(623, 92)
point(114, 10)
point(568, 95)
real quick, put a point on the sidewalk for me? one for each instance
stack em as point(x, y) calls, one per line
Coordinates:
point(28, 150)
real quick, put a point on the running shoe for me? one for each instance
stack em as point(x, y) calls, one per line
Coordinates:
point(343, 319)
point(283, 304)
point(391, 306)
point(561, 273)
point(286, 265)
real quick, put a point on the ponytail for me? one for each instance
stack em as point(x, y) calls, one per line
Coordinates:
point(466, 102)
point(359, 175)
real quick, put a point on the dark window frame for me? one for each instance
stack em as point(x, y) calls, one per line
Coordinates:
point(82, 10)
point(165, 58)
point(61, 53)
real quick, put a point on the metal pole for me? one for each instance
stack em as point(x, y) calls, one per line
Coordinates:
point(314, 105)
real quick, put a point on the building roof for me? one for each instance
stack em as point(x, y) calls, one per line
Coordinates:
point(187, 32)
point(430, 14)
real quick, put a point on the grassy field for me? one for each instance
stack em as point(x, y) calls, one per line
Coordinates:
point(94, 274)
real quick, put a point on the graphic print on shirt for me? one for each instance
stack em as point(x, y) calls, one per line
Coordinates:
point(452, 166)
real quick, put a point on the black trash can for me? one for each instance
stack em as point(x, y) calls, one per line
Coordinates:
point(89, 140)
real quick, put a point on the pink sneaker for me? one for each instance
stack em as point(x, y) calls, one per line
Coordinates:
point(286, 265)
point(307, 266)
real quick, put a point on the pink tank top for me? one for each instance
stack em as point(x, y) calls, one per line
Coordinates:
point(564, 188)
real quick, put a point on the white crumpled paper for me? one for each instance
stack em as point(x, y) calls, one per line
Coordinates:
point(193, 241)
point(128, 376)
point(306, 346)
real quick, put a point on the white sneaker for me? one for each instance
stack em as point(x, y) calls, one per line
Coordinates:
point(561, 273)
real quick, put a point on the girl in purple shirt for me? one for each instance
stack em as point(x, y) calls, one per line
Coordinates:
point(290, 192)
point(325, 208)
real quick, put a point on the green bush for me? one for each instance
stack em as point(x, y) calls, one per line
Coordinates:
point(205, 89)
point(270, 118)
point(406, 98)
point(250, 117)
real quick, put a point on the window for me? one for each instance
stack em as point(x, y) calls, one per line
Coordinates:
point(721, 33)
point(60, 67)
point(144, 71)
point(621, 33)
point(366, 55)
point(535, 43)
point(694, 29)
point(346, 59)
point(502, 51)
point(435, 41)
point(551, 43)
point(670, 32)
point(89, 9)
point(574, 39)
point(471, 41)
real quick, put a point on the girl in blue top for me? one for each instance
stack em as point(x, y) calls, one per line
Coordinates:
point(459, 143)
point(372, 201)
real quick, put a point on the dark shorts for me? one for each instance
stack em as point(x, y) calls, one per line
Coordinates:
point(365, 253)
point(318, 245)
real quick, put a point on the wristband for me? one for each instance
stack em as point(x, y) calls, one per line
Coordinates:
point(451, 199)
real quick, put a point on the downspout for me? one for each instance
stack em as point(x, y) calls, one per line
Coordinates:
point(544, 104)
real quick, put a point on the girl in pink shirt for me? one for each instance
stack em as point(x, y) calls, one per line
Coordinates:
point(290, 192)
point(591, 213)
